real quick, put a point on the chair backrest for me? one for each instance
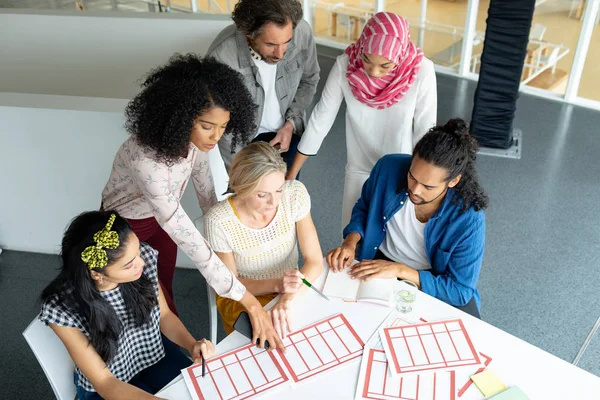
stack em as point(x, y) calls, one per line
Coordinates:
point(553, 57)
point(53, 357)
point(213, 313)
point(537, 32)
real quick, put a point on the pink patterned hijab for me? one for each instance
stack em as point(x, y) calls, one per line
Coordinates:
point(385, 34)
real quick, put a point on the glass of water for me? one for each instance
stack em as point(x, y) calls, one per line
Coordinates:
point(406, 296)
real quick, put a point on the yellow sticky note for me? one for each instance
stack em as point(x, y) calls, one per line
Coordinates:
point(488, 383)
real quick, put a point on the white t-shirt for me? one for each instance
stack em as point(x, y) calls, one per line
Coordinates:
point(272, 119)
point(405, 238)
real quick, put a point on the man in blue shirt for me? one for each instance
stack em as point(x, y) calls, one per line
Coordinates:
point(421, 219)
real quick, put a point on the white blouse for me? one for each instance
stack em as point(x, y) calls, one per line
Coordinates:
point(139, 187)
point(373, 133)
point(260, 253)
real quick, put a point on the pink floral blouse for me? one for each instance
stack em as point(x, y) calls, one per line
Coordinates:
point(139, 187)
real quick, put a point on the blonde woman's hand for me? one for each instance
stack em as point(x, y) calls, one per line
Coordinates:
point(280, 316)
point(291, 281)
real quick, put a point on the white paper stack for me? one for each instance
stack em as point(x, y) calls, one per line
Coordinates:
point(419, 361)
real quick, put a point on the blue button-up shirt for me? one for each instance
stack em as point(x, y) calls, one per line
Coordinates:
point(454, 239)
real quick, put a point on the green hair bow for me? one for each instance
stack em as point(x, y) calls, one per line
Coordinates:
point(95, 256)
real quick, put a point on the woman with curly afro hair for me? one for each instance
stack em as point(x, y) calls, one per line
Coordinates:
point(181, 113)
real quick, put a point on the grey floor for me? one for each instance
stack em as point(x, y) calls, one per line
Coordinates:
point(540, 277)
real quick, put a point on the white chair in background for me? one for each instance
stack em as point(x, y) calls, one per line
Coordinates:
point(346, 22)
point(537, 32)
point(342, 19)
point(53, 358)
point(550, 59)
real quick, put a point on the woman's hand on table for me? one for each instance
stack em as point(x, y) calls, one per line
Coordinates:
point(263, 330)
point(280, 316)
point(291, 281)
point(202, 347)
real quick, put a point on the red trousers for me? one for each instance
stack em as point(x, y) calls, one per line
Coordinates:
point(148, 230)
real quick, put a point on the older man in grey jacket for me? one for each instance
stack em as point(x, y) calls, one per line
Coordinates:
point(274, 50)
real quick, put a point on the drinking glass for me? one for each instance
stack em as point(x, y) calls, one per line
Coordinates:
point(406, 296)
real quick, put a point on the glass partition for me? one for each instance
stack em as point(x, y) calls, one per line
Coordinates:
point(589, 87)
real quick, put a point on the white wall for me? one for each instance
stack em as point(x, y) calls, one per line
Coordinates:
point(101, 54)
point(55, 161)
point(66, 79)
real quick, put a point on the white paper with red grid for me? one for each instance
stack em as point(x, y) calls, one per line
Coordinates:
point(428, 346)
point(393, 319)
point(462, 376)
point(375, 382)
point(320, 347)
point(244, 373)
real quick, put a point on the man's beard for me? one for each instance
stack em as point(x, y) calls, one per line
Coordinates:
point(422, 201)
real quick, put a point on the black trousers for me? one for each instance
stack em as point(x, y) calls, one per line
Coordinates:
point(470, 308)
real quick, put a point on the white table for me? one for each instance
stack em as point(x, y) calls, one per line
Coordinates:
point(517, 363)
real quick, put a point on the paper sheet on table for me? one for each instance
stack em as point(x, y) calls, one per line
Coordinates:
point(320, 347)
point(246, 372)
point(488, 383)
point(376, 381)
point(394, 318)
point(428, 347)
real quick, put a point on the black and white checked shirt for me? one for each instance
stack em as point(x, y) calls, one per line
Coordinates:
point(139, 347)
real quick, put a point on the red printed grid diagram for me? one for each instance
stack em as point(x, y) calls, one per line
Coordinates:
point(381, 385)
point(428, 346)
point(320, 347)
point(240, 374)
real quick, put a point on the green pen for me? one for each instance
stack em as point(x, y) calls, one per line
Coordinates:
point(307, 283)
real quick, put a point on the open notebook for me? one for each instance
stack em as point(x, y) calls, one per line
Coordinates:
point(341, 285)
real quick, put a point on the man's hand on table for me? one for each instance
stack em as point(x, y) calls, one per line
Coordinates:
point(341, 257)
point(371, 269)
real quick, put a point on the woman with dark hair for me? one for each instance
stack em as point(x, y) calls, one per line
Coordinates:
point(390, 92)
point(421, 219)
point(179, 116)
point(109, 311)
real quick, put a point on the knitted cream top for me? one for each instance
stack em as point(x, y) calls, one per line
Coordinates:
point(264, 253)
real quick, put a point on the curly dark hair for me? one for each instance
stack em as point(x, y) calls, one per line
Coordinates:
point(162, 115)
point(451, 147)
point(251, 15)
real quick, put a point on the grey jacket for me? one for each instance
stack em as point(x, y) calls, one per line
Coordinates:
point(297, 73)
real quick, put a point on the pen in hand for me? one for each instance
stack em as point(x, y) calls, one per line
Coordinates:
point(203, 365)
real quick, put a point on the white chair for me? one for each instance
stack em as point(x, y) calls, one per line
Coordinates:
point(346, 22)
point(549, 60)
point(537, 32)
point(53, 357)
point(213, 314)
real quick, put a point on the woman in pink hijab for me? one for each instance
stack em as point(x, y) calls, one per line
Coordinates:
point(391, 102)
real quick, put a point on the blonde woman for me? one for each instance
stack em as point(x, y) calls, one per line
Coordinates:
point(256, 233)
